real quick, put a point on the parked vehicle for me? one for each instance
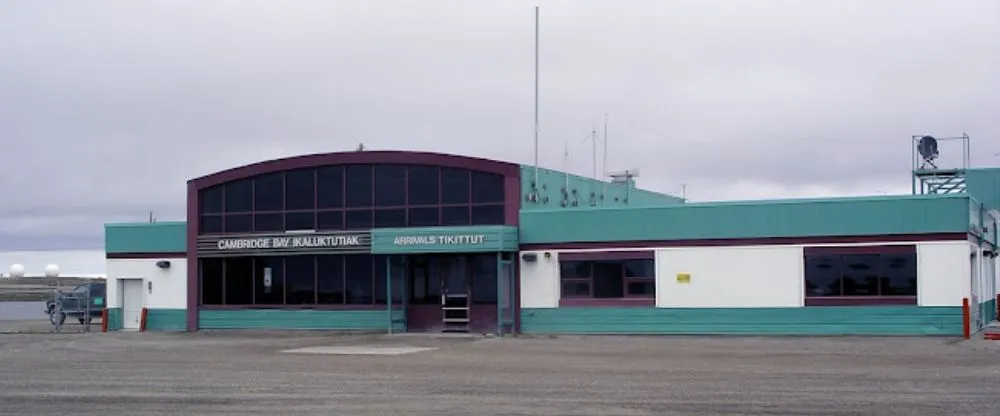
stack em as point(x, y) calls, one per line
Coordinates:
point(75, 305)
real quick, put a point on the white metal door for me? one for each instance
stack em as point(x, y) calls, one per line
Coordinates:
point(131, 303)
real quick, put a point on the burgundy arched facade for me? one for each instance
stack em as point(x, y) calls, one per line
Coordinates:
point(509, 171)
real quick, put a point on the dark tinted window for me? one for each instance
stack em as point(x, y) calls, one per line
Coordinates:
point(239, 223)
point(575, 269)
point(487, 214)
point(454, 216)
point(300, 189)
point(273, 267)
point(484, 279)
point(487, 188)
point(268, 222)
point(359, 185)
point(639, 268)
point(379, 268)
point(330, 220)
point(390, 185)
point(861, 275)
point(239, 196)
point(211, 200)
point(269, 192)
point(300, 221)
point(423, 217)
point(300, 280)
point(210, 224)
point(899, 274)
point(823, 276)
point(330, 279)
point(356, 220)
point(358, 279)
point(454, 186)
point(239, 280)
point(423, 185)
point(385, 218)
point(608, 280)
point(330, 187)
point(211, 281)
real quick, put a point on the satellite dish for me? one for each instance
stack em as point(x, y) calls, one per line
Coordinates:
point(928, 149)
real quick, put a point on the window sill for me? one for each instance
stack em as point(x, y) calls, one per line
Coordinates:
point(862, 301)
point(616, 302)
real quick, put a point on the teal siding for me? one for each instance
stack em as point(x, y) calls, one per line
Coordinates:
point(550, 192)
point(157, 237)
point(984, 185)
point(367, 320)
point(989, 310)
point(166, 320)
point(494, 239)
point(757, 219)
point(115, 319)
point(853, 320)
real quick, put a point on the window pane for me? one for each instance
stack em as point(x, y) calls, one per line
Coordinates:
point(239, 223)
point(300, 221)
point(330, 279)
point(390, 185)
point(378, 277)
point(269, 192)
point(211, 281)
point(330, 187)
point(455, 216)
point(860, 274)
point(575, 289)
point(330, 220)
point(899, 274)
point(358, 279)
point(268, 222)
point(575, 269)
point(822, 276)
point(359, 185)
point(487, 188)
point(423, 217)
point(300, 280)
point(390, 218)
point(239, 196)
point(210, 200)
point(239, 280)
point(210, 224)
point(640, 268)
point(484, 279)
point(300, 189)
point(423, 185)
point(454, 186)
point(273, 294)
point(487, 214)
point(358, 219)
point(608, 279)
point(642, 288)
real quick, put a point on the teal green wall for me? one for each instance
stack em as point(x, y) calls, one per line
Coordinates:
point(615, 194)
point(827, 320)
point(115, 319)
point(990, 310)
point(984, 185)
point(157, 237)
point(367, 320)
point(166, 320)
point(495, 238)
point(751, 219)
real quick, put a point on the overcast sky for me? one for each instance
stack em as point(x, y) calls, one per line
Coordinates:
point(107, 108)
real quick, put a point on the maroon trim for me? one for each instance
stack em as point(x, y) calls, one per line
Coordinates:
point(861, 301)
point(340, 307)
point(748, 241)
point(836, 250)
point(622, 302)
point(608, 255)
point(155, 255)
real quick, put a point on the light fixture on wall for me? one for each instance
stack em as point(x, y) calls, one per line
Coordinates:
point(548, 255)
point(149, 286)
point(529, 257)
point(163, 264)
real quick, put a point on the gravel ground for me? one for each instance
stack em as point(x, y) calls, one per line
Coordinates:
point(246, 373)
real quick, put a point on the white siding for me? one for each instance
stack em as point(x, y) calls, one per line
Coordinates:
point(540, 280)
point(944, 274)
point(732, 277)
point(169, 286)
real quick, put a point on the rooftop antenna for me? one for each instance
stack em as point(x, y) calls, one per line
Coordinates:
point(360, 148)
point(566, 166)
point(604, 156)
point(151, 218)
point(535, 185)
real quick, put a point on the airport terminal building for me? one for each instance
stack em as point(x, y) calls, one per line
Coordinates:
point(425, 242)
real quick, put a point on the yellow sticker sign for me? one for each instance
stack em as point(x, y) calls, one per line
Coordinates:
point(683, 278)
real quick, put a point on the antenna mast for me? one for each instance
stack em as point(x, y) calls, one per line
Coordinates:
point(604, 156)
point(536, 97)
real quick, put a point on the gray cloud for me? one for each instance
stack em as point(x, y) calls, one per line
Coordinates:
point(107, 108)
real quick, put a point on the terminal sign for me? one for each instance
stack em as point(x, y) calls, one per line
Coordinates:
point(278, 243)
point(449, 240)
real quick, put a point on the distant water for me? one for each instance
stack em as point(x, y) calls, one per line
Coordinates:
point(12, 311)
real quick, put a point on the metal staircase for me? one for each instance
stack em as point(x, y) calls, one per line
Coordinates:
point(455, 310)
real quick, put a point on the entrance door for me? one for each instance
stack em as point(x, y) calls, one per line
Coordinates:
point(131, 303)
point(423, 291)
point(456, 296)
point(506, 297)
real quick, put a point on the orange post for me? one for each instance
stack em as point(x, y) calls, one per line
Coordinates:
point(966, 329)
point(104, 320)
point(145, 312)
